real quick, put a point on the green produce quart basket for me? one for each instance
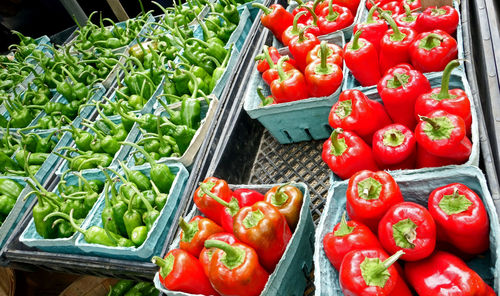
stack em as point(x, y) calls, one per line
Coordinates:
point(295, 121)
point(17, 212)
point(31, 238)
point(289, 277)
point(67, 140)
point(253, 11)
point(352, 83)
point(156, 235)
point(187, 159)
point(415, 188)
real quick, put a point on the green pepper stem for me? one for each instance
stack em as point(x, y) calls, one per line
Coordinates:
point(124, 181)
point(281, 72)
point(332, 15)
point(355, 40)
point(445, 81)
point(148, 156)
point(430, 121)
point(280, 197)
point(264, 8)
point(206, 190)
point(195, 82)
point(235, 256)
point(268, 58)
point(72, 222)
point(295, 29)
point(397, 35)
point(391, 260)
point(313, 14)
point(369, 18)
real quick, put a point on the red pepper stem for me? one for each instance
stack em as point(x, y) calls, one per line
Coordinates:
point(186, 228)
point(268, 58)
point(261, 95)
point(295, 29)
point(430, 40)
point(445, 81)
point(344, 229)
point(391, 260)
point(407, 10)
point(315, 3)
point(281, 72)
point(280, 197)
point(369, 18)
point(266, 9)
point(166, 265)
point(234, 256)
point(302, 33)
point(430, 121)
point(313, 15)
point(355, 40)
point(323, 54)
point(205, 190)
point(338, 147)
point(397, 35)
point(299, 2)
point(332, 15)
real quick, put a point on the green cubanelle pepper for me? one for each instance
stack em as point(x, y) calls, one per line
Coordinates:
point(107, 213)
point(139, 235)
point(64, 228)
point(10, 188)
point(119, 207)
point(131, 218)
point(93, 235)
point(136, 177)
point(120, 288)
point(181, 133)
point(117, 239)
point(160, 198)
point(151, 214)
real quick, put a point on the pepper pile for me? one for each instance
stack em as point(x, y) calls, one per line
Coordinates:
point(236, 246)
point(132, 288)
point(9, 192)
point(385, 228)
point(319, 17)
point(423, 40)
point(431, 126)
point(315, 71)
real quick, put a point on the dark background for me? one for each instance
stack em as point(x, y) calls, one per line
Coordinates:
point(48, 17)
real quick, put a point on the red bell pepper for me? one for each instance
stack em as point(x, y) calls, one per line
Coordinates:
point(370, 4)
point(362, 59)
point(209, 207)
point(271, 73)
point(300, 46)
point(334, 18)
point(348, 236)
point(275, 18)
point(355, 112)
point(453, 101)
point(369, 195)
point(444, 18)
point(413, 4)
point(395, 147)
point(428, 160)
point(461, 218)
point(371, 272)
point(302, 8)
point(432, 51)
point(334, 54)
point(263, 62)
point(443, 134)
point(194, 233)
point(408, 19)
point(293, 30)
point(235, 269)
point(265, 229)
point(247, 197)
point(206, 253)
point(181, 271)
point(323, 78)
point(290, 86)
point(392, 8)
point(394, 45)
point(312, 22)
point(445, 274)
point(345, 154)
point(265, 101)
point(409, 227)
point(288, 200)
point(399, 88)
point(372, 29)
point(352, 5)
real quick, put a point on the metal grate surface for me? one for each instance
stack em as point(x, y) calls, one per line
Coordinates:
point(301, 162)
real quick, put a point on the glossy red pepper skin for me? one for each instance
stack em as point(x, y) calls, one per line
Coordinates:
point(302, 7)
point(269, 236)
point(335, 18)
point(394, 147)
point(352, 5)
point(427, 160)
point(348, 236)
point(209, 207)
point(466, 227)
point(444, 18)
point(454, 101)
point(348, 154)
point(245, 198)
point(300, 46)
point(369, 4)
point(362, 59)
point(206, 254)
point(446, 137)
point(413, 4)
point(186, 274)
point(323, 78)
point(432, 51)
point(394, 47)
point(372, 29)
point(407, 19)
point(445, 274)
point(335, 54)
point(353, 282)
point(288, 199)
point(294, 29)
point(263, 64)
point(194, 242)
point(272, 74)
point(369, 195)
point(394, 8)
point(355, 112)
point(246, 279)
point(416, 231)
point(290, 86)
point(399, 88)
point(275, 18)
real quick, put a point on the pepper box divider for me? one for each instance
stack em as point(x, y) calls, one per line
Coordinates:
point(415, 188)
point(157, 233)
point(187, 159)
point(31, 238)
point(289, 277)
point(457, 80)
point(352, 83)
point(295, 121)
